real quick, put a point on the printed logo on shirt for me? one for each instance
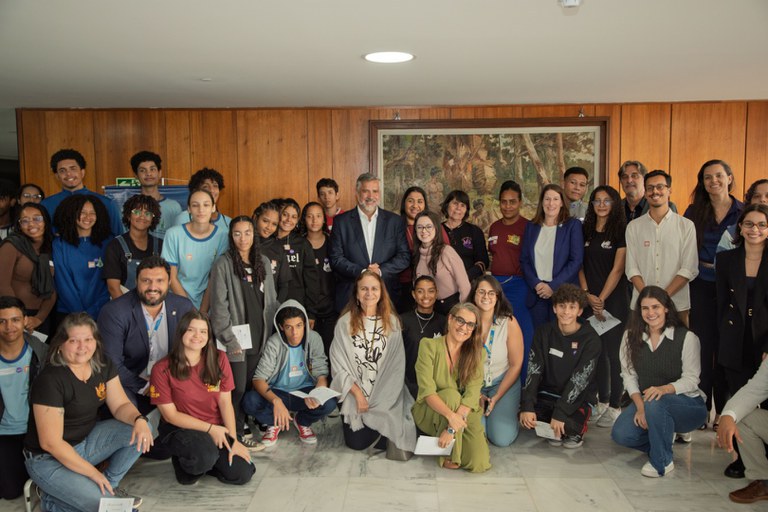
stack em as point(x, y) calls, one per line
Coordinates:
point(493, 240)
point(153, 392)
point(188, 257)
point(296, 370)
point(12, 371)
point(213, 388)
point(513, 239)
point(606, 245)
point(101, 392)
point(326, 265)
point(467, 242)
point(97, 263)
point(575, 347)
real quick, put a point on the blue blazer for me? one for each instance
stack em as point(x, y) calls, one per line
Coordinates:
point(349, 255)
point(566, 262)
point(124, 334)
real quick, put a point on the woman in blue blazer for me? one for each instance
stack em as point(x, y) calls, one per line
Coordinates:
point(552, 252)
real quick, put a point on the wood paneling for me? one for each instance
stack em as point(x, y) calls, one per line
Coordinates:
point(533, 111)
point(33, 150)
point(177, 160)
point(213, 143)
point(645, 132)
point(349, 130)
point(319, 148)
point(756, 159)
point(701, 132)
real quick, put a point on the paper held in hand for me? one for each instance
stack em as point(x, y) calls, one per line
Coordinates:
point(321, 394)
point(603, 326)
point(427, 445)
point(545, 430)
point(116, 505)
point(243, 334)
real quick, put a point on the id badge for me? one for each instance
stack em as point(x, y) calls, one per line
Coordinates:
point(487, 377)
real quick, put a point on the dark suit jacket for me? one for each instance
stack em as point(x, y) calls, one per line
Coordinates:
point(124, 334)
point(566, 261)
point(349, 255)
point(732, 306)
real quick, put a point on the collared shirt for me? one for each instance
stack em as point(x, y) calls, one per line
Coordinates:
point(157, 332)
point(659, 252)
point(687, 384)
point(641, 208)
point(369, 230)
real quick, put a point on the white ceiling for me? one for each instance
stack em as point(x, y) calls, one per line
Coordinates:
point(149, 53)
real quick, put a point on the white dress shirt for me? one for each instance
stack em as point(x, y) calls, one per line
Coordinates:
point(369, 230)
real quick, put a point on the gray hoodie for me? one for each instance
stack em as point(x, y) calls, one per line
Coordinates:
point(275, 353)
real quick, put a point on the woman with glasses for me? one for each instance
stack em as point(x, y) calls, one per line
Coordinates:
point(25, 257)
point(30, 193)
point(600, 275)
point(82, 222)
point(141, 214)
point(433, 257)
point(449, 371)
point(742, 305)
point(502, 361)
point(712, 210)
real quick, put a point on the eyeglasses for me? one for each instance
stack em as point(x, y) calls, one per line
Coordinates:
point(27, 195)
point(462, 322)
point(604, 202)
point(26, 221)
point(658, 187)
point(145, 213)
point(425, 228)
point(486, 293)
point(749, 225)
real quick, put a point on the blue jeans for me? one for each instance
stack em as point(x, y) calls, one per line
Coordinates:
point(262, 409)
point(670, 414)
point(65, 490)
point(516, 291)
point(501, 426)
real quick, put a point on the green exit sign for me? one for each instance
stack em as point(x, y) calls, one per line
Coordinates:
point(127, 182)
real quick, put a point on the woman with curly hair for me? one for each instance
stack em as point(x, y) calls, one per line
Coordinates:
point(600, 274)
point(433, 257)
point(26, 256)
point(82, 222)
point(660, 366)
point(242, 293)
point(141, 214)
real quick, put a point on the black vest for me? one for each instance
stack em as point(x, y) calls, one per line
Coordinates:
point(662, 366)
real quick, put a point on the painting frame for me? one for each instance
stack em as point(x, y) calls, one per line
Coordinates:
point(388, 152)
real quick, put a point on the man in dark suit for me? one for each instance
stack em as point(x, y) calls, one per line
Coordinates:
point(138, 328)
point(367, 238)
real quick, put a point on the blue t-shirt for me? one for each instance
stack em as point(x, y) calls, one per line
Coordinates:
point(14, 386)
point(169, 210)
point(78, 276)
point(294, 374)
point(194, 257)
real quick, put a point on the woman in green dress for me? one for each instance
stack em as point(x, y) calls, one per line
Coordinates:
point(449, 374)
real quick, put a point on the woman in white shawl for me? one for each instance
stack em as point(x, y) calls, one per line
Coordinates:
point(368, 368)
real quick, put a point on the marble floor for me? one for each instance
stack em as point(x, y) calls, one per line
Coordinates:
point(529, 476)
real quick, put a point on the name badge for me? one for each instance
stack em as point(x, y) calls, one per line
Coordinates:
point(555, 352)
point(295, 372)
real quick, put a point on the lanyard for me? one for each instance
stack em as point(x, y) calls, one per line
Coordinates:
point(489, 345)
point(487, 377)
point(151, 333)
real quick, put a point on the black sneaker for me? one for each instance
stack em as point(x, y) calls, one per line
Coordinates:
point(182, 476)
point(572, 442)
point(137, 500)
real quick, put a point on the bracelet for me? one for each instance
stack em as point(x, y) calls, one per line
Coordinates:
point(140, 417)
point(210, 426)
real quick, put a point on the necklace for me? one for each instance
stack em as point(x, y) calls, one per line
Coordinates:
point(419, 318)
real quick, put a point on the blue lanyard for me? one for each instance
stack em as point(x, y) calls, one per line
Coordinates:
point(151, 333)
point(489, 346)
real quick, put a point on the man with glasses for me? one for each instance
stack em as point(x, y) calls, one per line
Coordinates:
point(148, 169)
point(631, 175)
point(69, 167)
point(661, 246)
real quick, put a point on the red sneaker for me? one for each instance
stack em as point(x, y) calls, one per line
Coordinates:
point(305, 433)
point(269, 438)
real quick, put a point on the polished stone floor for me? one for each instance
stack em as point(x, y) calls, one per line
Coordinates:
point(530, 475)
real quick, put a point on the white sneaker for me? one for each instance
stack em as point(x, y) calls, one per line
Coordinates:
point(609, 417)
point(684, 437)
point(598, 411)
point(650, 471)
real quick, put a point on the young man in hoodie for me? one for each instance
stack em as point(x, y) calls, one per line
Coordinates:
point(293, 359)
point(560, 385)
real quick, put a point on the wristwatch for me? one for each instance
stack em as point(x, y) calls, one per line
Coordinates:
point(450, 431)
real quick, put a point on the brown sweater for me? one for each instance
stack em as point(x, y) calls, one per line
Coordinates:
point(16, 281)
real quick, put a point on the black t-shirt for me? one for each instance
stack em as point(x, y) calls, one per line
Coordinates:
point(57, 386)
point(324, 300)
point(115, 262)
point(412, 335)
point(599, 256)
point(469, 241)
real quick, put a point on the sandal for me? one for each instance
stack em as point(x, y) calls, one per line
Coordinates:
point(449, 464)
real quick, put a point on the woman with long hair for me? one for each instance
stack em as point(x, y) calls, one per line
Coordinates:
point(433, 257)
point(742, 305)
point(191, 249)
point(242, 294)
point(266, 218)
point(26, 257)
point(192, 388)
point(65, 440)
point(82, 222)
point(414, 202)
point(601, 274)
point(503, 350)
point(552, 253)
point(466, 239)
point(660, 366)
point(712, 210)
point(449, 371)
point(141, 214)
point(368, 369)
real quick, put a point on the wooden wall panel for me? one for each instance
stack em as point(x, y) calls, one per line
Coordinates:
point(612, 160)
point(177, 160)
point(272, 156)
point(70, 129)
point(701, 132)
point(533, 111)
point(645, 134)
point(33, 150)
point(213, 142)
point(350, 150)
point(756, 159)
point(319, 148)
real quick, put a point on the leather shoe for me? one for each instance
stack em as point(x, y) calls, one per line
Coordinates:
point(756, 491)
point(735, 469)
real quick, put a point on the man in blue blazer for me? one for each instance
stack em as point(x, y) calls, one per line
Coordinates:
point(138, 328)
point(367, 238)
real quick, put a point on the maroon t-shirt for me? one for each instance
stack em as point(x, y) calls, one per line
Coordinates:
point(504, 245)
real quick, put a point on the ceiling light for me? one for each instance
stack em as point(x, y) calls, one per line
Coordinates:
point(388, 57)
point(570, 3)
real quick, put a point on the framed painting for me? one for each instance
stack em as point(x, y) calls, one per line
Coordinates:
point(477, 156)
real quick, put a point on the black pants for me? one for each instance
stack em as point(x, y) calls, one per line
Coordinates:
point(324, 326)
point(704, 322)
point(575, 424)
point(13, 473)
point(363, 438)
point(197, 455)
point(609, 382)
point(242, 373)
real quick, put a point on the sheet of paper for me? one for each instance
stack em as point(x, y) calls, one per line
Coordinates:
point(243, 334)
point(427, 445)
point(321, 394)
point(42, 337)
point(116, 505)
point(603, 326)
point(545, 430)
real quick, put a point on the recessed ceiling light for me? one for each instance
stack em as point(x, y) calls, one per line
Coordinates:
point(388, 57)
point(206, 79)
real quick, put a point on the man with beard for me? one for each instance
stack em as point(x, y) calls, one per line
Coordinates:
point(138, 327)
point(368, 238)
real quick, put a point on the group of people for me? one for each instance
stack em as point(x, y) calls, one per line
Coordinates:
point(403, 324)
